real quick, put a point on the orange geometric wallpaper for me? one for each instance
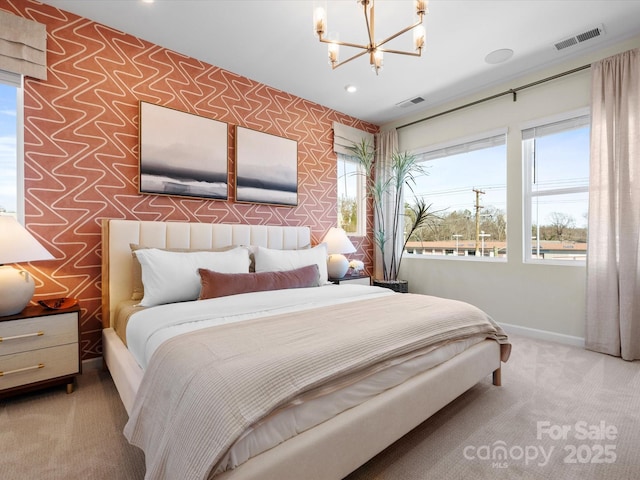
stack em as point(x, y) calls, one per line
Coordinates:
point(81, 149)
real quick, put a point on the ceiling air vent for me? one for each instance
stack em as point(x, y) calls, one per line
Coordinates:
point(410, 102)
point(580, 37)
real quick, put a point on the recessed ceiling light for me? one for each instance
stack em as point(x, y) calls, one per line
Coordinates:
point(148, 1)
point(351, 88)
point(499, 56)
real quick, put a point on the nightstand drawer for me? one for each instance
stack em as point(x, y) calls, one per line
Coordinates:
point(28, 367)
point(39, 332)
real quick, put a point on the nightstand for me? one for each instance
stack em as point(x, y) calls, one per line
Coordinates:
point(360, 279)
point(39, 348)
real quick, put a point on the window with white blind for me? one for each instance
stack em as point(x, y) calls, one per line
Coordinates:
point(466, 186)
point(11, 169)
point(352, 211)
point(556, 189)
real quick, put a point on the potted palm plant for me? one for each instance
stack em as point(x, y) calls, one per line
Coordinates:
point(387, 193)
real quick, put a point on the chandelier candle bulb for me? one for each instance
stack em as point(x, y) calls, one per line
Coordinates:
point(334, 49)
point(419, 35)
point(377, 60)
point(422, 7)
point(319, 21)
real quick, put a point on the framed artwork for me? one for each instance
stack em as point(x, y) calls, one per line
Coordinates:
point(266, 168)
point(182, 154)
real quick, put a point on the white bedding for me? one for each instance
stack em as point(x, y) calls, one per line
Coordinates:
point(147, 329)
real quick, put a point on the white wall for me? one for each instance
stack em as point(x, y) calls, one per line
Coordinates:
point(549, 298)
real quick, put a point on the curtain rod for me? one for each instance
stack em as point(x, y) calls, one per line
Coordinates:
point(512, 91)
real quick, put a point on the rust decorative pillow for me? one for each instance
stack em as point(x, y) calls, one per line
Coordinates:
point(216, 284)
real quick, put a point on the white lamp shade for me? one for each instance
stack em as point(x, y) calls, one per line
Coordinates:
point(338, 242)
point(17, 245)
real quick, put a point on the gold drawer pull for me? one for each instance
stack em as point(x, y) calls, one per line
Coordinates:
point(25, 369)
point(26, 335)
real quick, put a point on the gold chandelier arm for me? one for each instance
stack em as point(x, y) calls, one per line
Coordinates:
point(409, 28)
point(412, 54)
point(357, 55)
point(344, 44)
point(370, 23)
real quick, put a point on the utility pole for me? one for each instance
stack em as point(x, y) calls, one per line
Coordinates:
point(478, 207)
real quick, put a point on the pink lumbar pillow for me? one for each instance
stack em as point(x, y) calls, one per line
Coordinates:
point(216, 284)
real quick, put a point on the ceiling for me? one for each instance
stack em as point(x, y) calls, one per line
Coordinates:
point(273, 42)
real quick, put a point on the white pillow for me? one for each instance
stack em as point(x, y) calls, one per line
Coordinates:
point(173, 276)
point(271, 260)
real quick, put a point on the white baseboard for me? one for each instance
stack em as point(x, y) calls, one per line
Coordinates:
point(543, 335)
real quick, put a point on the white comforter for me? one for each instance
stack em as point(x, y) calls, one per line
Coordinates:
point(148, 328)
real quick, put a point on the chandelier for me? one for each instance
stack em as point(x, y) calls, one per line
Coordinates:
point(373, 48)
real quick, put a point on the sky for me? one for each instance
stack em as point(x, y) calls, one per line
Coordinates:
point(450, 181)
point(7, 148)
point(562, 161)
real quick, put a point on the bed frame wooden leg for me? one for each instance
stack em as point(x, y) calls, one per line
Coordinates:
point(497, 377)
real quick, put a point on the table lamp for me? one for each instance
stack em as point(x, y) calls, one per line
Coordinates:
point(17, 245)
point(337, 244)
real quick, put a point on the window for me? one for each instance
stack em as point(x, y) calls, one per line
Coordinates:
point(556, 190)
point(466, 186)
point(10, 170)
point(352, 215)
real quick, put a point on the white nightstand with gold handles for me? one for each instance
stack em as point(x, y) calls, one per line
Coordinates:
point(39, 348)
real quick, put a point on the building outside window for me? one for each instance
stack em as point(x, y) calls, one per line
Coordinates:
point(556, 190)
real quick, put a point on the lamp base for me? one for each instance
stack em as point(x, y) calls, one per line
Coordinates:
point(337, 265)
point(16, 289)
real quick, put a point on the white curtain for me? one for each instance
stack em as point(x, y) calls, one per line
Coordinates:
point(613, 267)
point(386, 145)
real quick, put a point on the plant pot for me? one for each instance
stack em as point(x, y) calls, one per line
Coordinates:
point(400, 286)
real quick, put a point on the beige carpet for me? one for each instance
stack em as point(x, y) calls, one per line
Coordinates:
point(51, 435)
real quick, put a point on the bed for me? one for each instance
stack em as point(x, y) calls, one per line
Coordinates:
point(327, 449)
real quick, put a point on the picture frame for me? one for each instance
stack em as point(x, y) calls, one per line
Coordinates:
point(266, 168)
point(182, 154)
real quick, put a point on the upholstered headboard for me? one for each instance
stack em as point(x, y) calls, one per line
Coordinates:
point(117, 235)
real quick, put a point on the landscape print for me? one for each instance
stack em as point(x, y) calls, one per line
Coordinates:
point(266, 168)
point(182, 154)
